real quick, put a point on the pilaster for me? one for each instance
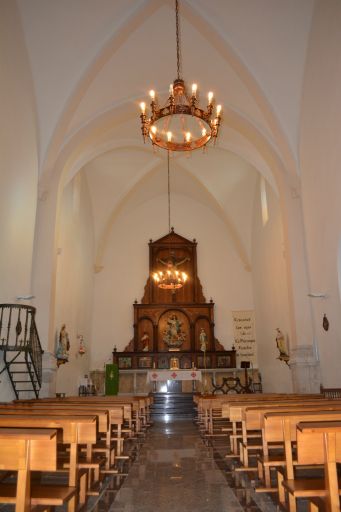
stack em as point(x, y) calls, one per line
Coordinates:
point(48, 388)
point(305, 370)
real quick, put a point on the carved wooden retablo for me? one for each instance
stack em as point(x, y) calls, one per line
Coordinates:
point(166, 322)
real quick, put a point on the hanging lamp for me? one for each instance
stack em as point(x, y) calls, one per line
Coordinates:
point(180, 125)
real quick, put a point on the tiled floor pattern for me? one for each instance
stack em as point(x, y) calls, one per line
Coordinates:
point(175, 470)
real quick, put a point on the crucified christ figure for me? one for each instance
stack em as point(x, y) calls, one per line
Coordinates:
point(171, 262)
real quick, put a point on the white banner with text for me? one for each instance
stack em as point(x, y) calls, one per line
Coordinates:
point(244, 337)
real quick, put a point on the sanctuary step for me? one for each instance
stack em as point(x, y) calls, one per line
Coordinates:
point(172, 406)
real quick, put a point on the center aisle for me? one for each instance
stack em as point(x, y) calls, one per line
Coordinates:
point(175, 471)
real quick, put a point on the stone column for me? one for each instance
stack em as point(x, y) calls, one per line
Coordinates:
point(304, 363)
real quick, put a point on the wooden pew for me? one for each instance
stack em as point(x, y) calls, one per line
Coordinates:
point(75, 431)
point(254, 417)
point(217, 407)
point(236, 413)
point(328, 435)
point(90, 462)
point(252, 420)
point(283, 426)
point(25, 450)
point(134, 407)
point(318, 442)
point(115, 420)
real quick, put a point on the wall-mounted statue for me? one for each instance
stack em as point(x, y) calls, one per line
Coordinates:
point(282, 347)
point(63, 346)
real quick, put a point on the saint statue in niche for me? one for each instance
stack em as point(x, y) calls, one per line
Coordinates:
point(173, 337)
point(203, 340)
point(145, 342)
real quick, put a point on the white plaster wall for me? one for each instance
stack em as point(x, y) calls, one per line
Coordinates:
point(18, 159)
point(18, 166)
point(321, 179)
point(270, 292)
point(74, 286)
point(126, 269)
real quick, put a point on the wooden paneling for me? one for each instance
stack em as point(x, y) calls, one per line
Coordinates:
point(184, 313)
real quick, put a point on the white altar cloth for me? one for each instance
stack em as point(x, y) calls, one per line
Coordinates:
point(164, 375)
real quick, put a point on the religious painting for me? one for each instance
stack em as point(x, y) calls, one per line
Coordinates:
point(163, 363)
point(185, 362)
point(124, 363)
point(145, 362)
point(201, 362)
point(223, 361)
point(174, 331)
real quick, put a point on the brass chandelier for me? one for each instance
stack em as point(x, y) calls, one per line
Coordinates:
point(181, 125)
point(171, 278)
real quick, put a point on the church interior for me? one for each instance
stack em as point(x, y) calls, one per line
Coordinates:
point(155, 282)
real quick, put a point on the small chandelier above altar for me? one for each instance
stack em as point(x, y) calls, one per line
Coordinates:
point(180, 125)
point(171, 278)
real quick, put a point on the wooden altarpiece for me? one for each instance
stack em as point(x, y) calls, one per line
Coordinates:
point(170, 325)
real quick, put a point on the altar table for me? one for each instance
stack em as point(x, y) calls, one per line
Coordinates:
point(165, 375)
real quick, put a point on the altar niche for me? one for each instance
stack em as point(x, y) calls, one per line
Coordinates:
point(174, 324)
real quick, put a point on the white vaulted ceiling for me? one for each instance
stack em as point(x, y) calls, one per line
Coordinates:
point(89, 56)
point(92, 61)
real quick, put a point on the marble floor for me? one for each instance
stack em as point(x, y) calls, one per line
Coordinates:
point(175, 469)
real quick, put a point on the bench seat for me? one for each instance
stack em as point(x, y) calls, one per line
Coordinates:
point(50, 495)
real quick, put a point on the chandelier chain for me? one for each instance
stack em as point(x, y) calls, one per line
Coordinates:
point(178, 50)
point(169, 199)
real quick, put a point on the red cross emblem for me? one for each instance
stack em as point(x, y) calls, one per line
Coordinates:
point(193, 374)
point(154, 375)
point(174, 375)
